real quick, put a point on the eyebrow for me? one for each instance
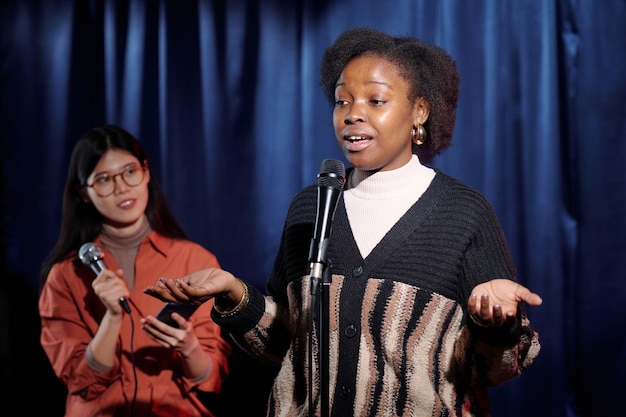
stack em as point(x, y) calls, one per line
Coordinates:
point(125, 167)
point(341, 84)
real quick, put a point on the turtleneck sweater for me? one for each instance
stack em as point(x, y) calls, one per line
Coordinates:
point(125, 248)
point(375, 201)
point(413, 285)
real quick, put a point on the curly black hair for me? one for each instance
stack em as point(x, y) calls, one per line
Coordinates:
point(430, 71)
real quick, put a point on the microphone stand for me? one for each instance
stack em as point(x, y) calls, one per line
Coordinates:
point(320, 307)
point(330, 182)
point(324, 336)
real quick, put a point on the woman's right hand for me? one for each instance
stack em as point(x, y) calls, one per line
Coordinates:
point(198, 287)
point(110, 286)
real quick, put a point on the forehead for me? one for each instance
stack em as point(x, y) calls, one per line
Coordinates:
point(371, 68)
point(114, 159)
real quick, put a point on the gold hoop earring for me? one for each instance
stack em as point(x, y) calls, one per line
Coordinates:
point(418, 134)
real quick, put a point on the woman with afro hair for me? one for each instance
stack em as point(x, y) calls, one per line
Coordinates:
point(425, 311)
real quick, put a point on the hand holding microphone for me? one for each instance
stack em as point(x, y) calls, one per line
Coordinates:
point(92, 255)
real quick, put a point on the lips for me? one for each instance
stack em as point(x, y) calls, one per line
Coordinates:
point(356, 142)
point(127, 204)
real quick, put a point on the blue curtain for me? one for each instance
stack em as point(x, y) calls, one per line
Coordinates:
point(224, 95)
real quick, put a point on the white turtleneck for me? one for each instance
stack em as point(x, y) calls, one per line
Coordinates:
point(375, 202)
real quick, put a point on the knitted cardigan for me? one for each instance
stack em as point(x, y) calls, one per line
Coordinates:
point(400, 340)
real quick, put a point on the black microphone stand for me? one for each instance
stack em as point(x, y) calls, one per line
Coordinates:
point(320, 311)
point(324, 336)
point(330, 182)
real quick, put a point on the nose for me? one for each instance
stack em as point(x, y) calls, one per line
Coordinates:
point(354, 115)
point(119, 182)
point(352, 118)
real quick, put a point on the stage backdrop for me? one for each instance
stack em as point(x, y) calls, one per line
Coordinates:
point(225, 97)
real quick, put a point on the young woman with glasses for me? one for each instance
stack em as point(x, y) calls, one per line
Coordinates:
point(112, 199)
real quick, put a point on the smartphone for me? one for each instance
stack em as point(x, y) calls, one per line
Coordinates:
point(165, 314)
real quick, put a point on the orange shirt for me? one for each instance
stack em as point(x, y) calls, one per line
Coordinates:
point(71, 312)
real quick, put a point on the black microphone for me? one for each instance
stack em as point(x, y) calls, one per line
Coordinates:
point(330, 181)
point(92, 255)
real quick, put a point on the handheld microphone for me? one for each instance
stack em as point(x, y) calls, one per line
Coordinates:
point(92, 255)
point(330, 181)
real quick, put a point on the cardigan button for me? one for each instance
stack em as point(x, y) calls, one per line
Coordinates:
point(358, 271)
point(350, 331)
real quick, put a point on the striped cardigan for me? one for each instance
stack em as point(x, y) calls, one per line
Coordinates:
point(400, 341)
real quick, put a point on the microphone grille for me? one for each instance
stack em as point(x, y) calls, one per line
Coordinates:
point(90, 252)
point(332, 174)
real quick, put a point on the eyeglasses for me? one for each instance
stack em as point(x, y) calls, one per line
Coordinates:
point(104, 184)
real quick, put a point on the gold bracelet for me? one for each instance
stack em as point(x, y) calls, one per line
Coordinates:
point(240, 306)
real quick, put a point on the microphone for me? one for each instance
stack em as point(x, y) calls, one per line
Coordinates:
point(330, 181)
point(92, 255)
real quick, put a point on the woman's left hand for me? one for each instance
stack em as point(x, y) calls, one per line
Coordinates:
point(494, 303)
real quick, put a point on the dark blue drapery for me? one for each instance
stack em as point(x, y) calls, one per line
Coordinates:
point(225, 97)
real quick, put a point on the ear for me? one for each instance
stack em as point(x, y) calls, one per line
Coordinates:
point(421, 111)
point(83, 194)
point(147, 171)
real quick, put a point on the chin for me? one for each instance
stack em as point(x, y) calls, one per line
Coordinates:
point(361, 164)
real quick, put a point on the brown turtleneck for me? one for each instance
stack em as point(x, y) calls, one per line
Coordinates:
point(125, 248)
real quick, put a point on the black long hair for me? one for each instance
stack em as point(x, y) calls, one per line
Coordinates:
point(81, 222)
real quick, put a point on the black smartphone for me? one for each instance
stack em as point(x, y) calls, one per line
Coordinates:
point(165, 314)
